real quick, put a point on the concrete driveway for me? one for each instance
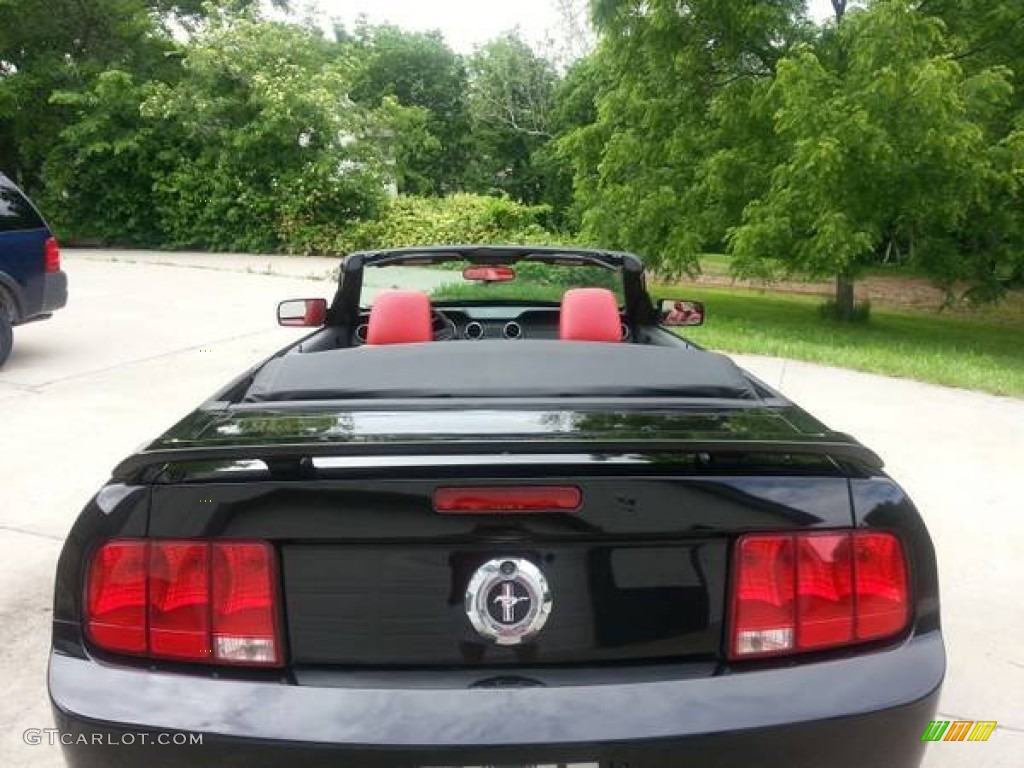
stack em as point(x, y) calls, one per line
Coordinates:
point(147, 336)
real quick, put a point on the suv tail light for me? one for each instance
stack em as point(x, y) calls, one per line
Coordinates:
point(810, 591)
point(193, 601)
point(52, 256)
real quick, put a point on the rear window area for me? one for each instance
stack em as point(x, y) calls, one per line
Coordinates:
point(16, 213)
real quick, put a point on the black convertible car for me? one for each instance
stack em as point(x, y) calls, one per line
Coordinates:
point(528, 525)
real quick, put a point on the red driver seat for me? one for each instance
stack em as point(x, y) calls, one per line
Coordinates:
point(400, 317)
point(590, 314)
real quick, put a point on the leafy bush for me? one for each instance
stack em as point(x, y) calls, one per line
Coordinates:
point(99, 175)
point(411, 221)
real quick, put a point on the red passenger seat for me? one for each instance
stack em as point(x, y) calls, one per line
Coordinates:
point(590, 314)
point(400, 317)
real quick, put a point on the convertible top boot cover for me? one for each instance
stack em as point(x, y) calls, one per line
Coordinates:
point(499, 369)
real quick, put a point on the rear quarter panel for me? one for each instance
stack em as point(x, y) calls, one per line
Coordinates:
point(22, 255)
point(879, 502)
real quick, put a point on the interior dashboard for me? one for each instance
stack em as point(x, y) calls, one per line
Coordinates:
point(486, 323)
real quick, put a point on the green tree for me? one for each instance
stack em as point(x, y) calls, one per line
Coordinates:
point(266, 138)
point(574, 108)
point(984, 33)
point(101, 168)
point(48, 46)
point(885, 144)
point(420, 71)
point(61, 45)
point(251, 142)
point(512, 92)
point(676, 147)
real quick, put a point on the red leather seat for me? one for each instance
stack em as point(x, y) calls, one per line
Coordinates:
point(590, 314)
point(400, 317)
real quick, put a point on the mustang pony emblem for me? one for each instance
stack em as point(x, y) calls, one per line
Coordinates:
point(508, 600)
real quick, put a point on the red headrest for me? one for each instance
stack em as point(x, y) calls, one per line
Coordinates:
point(590, 314)
point(399, 317)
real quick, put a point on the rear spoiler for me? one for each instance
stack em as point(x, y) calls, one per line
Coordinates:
point(145, 465)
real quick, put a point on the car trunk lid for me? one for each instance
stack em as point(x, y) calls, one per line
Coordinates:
point(374, 576)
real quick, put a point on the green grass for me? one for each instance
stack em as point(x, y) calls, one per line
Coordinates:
point(941, 349)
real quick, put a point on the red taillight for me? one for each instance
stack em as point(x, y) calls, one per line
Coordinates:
point(185, 600)
point(824, 588)
point(52, 259)
point(179, 600)
point(763, 620)
point(880, 576)
point(244, 606)
point(115, 597)
point(810, 591)
point(497, 499)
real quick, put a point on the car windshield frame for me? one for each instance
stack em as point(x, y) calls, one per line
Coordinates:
point(638, 307)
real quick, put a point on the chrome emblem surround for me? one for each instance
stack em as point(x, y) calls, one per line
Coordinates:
point(508, 600)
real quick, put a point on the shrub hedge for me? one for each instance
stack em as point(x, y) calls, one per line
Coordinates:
point(410, 221)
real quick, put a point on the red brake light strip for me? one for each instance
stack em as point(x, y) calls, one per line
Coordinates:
point(483, 500)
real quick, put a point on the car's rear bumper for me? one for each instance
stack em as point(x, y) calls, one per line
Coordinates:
point(54, 297)
point(55, 292)
point(862, 711)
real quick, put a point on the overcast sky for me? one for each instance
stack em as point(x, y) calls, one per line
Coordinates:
point(466, 23)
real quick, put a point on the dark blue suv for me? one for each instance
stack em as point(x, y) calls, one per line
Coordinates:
point(32, 285)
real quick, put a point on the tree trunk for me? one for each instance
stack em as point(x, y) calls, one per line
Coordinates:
point(844, 297)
